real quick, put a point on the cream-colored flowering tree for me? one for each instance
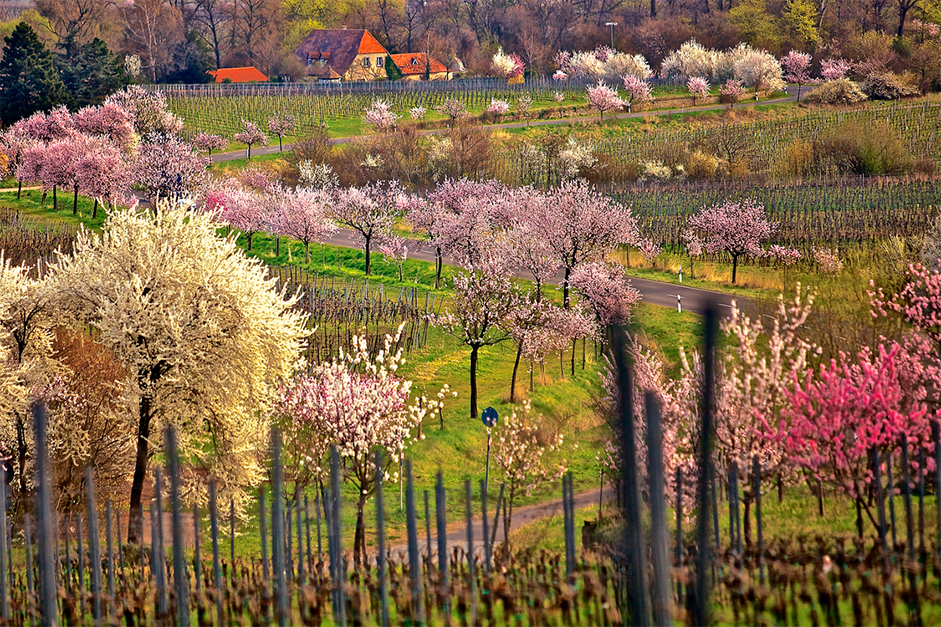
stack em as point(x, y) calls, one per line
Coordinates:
point(204, 336)
point(523, 453)
point(25, 360)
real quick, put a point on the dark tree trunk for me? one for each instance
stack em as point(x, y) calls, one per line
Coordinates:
point(75, 202)
point(367, 248)
point(306, 253)
point(94, 211)
point(359, 540)
point(135, 528)
point(565, 287)
point(734, 267)
point(438, 266)
point(516, 365)
point(473, 382)
point(55, 199)
point(19, 188)
point(277, 245)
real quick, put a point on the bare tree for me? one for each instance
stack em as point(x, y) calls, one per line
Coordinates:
point(77, 20)
point(254, 22)
point(212, 17)
point(152, 28)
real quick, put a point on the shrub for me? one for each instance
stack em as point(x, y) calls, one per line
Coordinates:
point(701, 165)
point(855, 149)
point(841, 91)
point(798, 159)
point(888, 86)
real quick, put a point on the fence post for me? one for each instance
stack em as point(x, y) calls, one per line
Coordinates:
point(442, 519)
point(179, 562)
point(472, 581)
point(93, 541)
point(637, 600)
point(756, 473)
point(161, 549)
point(4, 596)
point(414, 565)
point(197, 554)
point(703, 553)
point(381, 542)
point(47, 580)
point(216, 567)
point(662, 607)
point(483, 521)
point(428, 553)
point(340, 570)
point(277, 530)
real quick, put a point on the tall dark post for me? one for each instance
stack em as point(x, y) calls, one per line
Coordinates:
point(472, 581)
point(678, 557)
point(197, 555)
point(47, 581)
point(179, 561)
point(427, 529)
point(381, 543)
point(441, 514)
point(414, 565)
point(340, 571)
point(216, 566)
point(636, 568)
point(483, 522)
point(93, 542)
point(662, 599)
point(703, 550)
point(756, 474)
point(277, 531)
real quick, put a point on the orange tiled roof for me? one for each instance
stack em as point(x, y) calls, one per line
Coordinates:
point(370, 45)
point(414, 63)
point(238, 75)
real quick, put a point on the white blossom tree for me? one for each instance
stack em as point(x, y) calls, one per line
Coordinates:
point(204, 336)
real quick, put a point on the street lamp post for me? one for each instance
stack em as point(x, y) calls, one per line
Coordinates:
point(611, 26)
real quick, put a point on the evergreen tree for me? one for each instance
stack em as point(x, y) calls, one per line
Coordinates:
point(29, 81)
point(91, 72)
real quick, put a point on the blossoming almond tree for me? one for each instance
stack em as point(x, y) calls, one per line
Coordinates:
point(523, 455)
point(834, 69)
point(303, 214)
point(607, 291)
point(698, 88)
point(796, 66)
point(358, 403)
point(380, 115)
point(736, 228)
point(244, 210)
point(638, 90)
point(580, 225)
point(733, 90)
point(369, 210)
point(282, 126)
point(250, 135)
point(201, 331)
point(109, 120)
point(169, 168)
point(603, 98)
point(479, 316)
point(208, 142)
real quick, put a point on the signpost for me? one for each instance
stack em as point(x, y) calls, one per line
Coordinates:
point(489, 418)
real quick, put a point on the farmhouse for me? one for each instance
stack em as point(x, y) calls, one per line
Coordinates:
point(238, 75)
point(416, 66)
point(341, 54)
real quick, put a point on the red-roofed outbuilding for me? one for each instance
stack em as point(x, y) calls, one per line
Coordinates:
point(238, 75)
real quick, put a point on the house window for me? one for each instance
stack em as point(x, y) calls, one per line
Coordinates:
point(379, 61)
point(366, 62)
point(323, 62)
point(414, 61)
point(309, 61)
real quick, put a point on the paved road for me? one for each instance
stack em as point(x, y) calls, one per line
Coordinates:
point(693, 299)
point(270, 150)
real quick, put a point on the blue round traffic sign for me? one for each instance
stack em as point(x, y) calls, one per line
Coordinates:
point(489, 417)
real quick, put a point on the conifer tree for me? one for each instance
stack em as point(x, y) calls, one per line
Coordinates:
point(29, 81)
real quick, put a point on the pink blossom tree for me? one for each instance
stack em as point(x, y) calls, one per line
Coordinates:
point(507, 65)
point(734, 90)
point(607, 291)
point(302, 214)
point(698, 87)
point(105, 174)
point(13, 144)
point(243, 210)
point(282, 126)
point(834, 69)
point(359, 404)
point(796, 66)
point(250, 135)
point(380, 115)
point(580, 225)
point(531, 253)
point(470, 217)
point(649, 250)
point(478, 316)
point(426, 217)
point(693, 245)
point(169, 168)
point(369, 211)
point(109, 120)
point(638, 90)
point(453, 109)
point(209, 142)
point(836, 417)
point(149, 108)
point(735, 228)
point(395, 250)
point(603, 98)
